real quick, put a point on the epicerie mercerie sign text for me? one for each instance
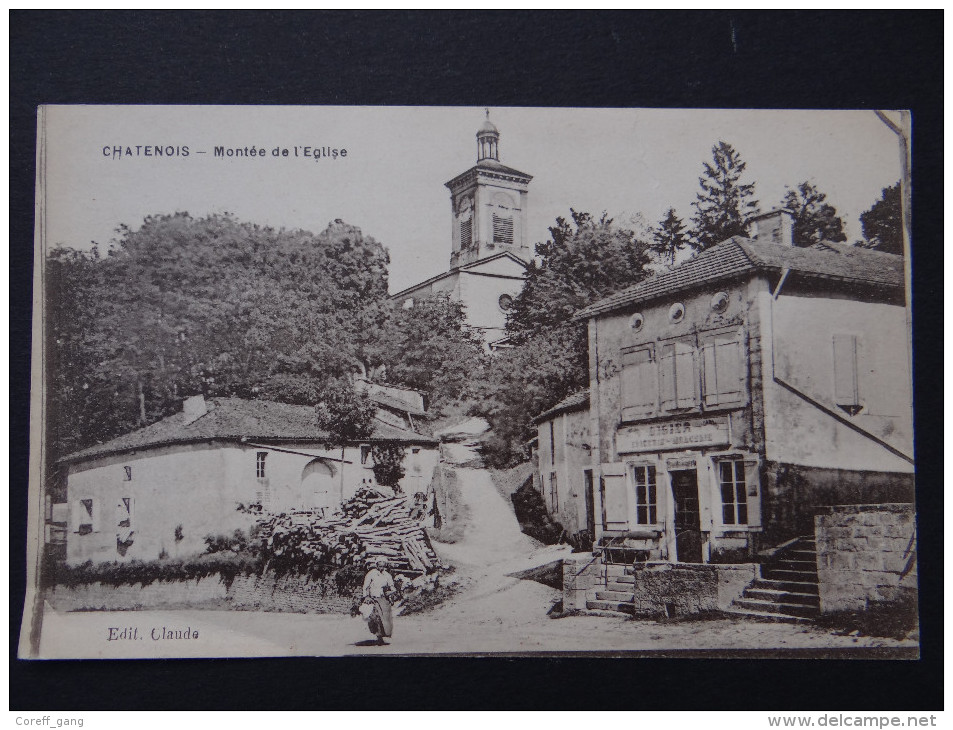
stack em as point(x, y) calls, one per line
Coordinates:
point(683, 434)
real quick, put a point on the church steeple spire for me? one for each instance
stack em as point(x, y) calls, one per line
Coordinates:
point(488, 141)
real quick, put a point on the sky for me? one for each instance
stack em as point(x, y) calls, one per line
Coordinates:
point(390, 183)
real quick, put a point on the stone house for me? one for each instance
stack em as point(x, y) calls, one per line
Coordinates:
point(162, 489)
point(735, 395)
point(564, 473)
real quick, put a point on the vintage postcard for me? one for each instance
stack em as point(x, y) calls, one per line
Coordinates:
point(319, 381)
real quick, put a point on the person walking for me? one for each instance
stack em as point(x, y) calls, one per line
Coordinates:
point(378, 587)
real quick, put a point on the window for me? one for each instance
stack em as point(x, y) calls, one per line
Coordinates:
point(128, 474)
point(846, 392)
point(639, 382)
point(260, 464)
point(86, 516)
point(365, 452)
point(552, 442)
point(505, 302)
point(466, 233)
point(679, 381)
point(502, 228)
point(124, 512)
point(646, 495)
point(734, 498)
point(553, 492)
point(723, 372)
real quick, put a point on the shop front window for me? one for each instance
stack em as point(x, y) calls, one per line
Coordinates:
point(646, 495)
point(734, 500)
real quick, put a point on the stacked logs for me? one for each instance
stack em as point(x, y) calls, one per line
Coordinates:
point(366, 527)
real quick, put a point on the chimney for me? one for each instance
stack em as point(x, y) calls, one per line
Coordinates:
point(193, 409)
point(775, 226)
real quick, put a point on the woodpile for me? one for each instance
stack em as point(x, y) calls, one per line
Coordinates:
point(365, 528)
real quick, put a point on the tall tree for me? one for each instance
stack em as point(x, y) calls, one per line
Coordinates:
point(882, 223)
point(814, 219)
point(669, 237)
point(724, 201)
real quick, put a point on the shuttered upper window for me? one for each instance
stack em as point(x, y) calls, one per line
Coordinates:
point(639, 382)
point(723, 373)
point(846, 390)
point(678, 375)
point(466, 233)
point(502, 228)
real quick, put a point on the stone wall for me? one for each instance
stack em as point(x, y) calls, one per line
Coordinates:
point(866, 553)
point(291, 594)
point(580, 574)
point(682, 589)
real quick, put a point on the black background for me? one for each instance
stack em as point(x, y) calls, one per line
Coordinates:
point(853, 60)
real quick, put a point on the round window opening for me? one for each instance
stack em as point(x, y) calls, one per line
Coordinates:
point(636, 321)
point(676, 312)
point(506, 302)
point(719, 302)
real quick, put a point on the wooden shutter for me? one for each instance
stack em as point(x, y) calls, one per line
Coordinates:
point(686, 380)
point(753, 490)
point(75, 507)
point(616, 505)
point(721, 362)
point(639, 383)
point(132, 512)
point(845, 373)
point(666, 365)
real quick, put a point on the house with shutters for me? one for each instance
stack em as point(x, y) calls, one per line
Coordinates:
point(489, 247)
point(734, 396)
point(160, 490)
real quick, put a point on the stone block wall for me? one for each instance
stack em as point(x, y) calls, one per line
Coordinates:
point(580, 574)
point(866, 553)
point(668, 589)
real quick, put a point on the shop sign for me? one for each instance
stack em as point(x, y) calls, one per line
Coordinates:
point(684, 434)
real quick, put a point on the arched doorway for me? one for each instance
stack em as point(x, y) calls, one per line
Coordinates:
point(318, 488)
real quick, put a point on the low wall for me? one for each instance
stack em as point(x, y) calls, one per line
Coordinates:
point(866, 553)
point(660, 589)
point(681, 589)
point(291, 594)
point(580, 574)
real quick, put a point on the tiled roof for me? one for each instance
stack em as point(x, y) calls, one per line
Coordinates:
point(396, 404)
point(234, 419)
point(575, 402)
point(740, 256)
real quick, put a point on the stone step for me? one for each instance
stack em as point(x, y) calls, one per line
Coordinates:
point(766, 616)
point(790, 564)
point(620, 596)
point(626, 579)
point(619, 587)
point(786, 585)
point(803, 554)
point(791, 609)
point(796, 576)
point(775, 596)
point(618, 607)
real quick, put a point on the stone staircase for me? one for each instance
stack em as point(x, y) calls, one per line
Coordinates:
point(616, 594)
point(787, 589)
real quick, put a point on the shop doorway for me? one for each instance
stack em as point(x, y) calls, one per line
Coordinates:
point(688, 536)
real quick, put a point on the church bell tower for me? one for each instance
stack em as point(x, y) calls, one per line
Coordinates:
point(488, 204)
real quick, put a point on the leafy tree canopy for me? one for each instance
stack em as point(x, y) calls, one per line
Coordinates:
point(882, 224)
point(211, 305)
point(345, 412)
point(814, 219)
point(724, 202)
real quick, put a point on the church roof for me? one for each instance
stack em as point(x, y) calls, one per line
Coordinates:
point(457, 269)
point(737, 256)
point(490, 166)
point(235, 419)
